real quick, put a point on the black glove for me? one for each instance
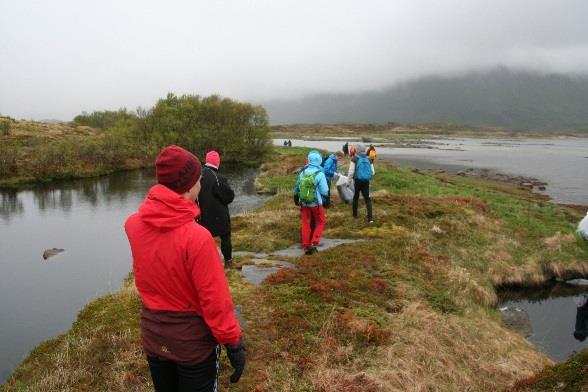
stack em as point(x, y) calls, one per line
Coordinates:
point(236, 356)
point(296, 200)
point(327, 200)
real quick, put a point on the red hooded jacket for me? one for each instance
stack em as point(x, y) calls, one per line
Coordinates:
point(177, 266)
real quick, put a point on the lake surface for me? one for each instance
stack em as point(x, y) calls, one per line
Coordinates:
point(561, 162)
point(39, 299)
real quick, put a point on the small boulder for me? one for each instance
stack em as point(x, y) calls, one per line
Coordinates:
point(578, 282)
point(517, 319)
point(51, 252)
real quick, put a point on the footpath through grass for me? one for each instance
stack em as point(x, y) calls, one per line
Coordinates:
point(408, 308)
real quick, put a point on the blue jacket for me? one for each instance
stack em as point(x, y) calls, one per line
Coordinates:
point(329, 174)
point(320, 182)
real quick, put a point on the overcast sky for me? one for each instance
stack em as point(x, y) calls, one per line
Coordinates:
point(61, 57)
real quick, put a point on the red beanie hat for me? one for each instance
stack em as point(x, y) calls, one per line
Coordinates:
point(177, 169)
point(213, 158)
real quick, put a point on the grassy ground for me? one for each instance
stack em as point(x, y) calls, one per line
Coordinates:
point(400, 133)
point(408, 308)
point(32, 152)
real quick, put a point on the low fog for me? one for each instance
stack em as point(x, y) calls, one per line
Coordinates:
point(60, 58)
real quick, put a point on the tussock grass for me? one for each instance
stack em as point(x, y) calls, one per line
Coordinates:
point(408, 308)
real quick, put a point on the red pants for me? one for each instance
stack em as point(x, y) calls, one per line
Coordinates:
point(312, 236)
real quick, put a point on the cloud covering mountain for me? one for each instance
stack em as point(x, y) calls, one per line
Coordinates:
point(495, 98)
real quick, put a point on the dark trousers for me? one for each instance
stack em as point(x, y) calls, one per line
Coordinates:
point(226, 246)
point(362, 186)
point(169, 376)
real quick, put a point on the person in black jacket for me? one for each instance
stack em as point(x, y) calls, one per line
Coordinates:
point(214, 199)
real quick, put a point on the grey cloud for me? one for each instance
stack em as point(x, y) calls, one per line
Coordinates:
point(61, 57)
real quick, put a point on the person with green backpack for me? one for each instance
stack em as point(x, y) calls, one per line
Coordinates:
point(309, 193)
point(361, 170)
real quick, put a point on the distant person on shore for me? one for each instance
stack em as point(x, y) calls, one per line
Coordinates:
point(310, 190)
point(581, 327)
point(346, 149)
point(285, 143)
point(289, 143)
point(361, 171)
point(214, 199)
point(187, 310)
point(352, 151)
point(371, 153)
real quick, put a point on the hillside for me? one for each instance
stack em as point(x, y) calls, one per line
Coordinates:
point(497, 98)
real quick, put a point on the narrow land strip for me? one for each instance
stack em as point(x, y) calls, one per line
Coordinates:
point(408, 308)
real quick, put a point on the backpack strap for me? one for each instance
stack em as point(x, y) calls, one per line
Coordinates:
point(214, 174)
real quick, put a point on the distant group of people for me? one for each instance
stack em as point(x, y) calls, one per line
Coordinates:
point(187, 310)
point(312, 190)
point(287, 143)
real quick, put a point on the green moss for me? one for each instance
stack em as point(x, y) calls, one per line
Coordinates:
point(570, 376)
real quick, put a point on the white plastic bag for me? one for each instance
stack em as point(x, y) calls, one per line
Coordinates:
point(583, 227)
point(344, 189)
point(340, 179)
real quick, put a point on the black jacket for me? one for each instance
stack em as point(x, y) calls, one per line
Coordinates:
point(214, 199)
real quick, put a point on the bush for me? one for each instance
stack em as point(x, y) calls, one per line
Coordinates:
point(238, 131)
point(5, 126)
point(8, 161)
point(104, 120)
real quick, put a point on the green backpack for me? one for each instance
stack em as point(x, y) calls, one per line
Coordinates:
point(307, 189)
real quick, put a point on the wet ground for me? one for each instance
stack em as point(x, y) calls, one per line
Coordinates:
point(260, 265)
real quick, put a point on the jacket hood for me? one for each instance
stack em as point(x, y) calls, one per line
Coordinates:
point(315, 158)
point(165, 209)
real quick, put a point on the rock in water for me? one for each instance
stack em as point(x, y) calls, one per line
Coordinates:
point(517, 319)
point(51, 252)
point(578, 282)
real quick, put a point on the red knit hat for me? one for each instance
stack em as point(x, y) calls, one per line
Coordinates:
point(177, 169)
point(213, 158)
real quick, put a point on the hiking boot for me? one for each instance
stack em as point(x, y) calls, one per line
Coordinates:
point(371, 222)
point(310, 250)
point(229, 264)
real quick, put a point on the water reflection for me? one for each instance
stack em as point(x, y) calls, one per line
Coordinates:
point(10, 204)
point(115, 188)
point(63, 196)
point(581, 327)
point(550, 312)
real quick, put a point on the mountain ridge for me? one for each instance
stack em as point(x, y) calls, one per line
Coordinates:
point(500, 97)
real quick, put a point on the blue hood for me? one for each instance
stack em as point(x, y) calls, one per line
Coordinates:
point(315, 158)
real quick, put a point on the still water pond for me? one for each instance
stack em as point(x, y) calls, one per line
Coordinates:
point(39, 299)
point(546, 317)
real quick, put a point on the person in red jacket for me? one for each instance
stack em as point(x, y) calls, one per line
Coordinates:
point(187, 310)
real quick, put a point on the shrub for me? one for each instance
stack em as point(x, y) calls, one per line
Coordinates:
point(5, 126)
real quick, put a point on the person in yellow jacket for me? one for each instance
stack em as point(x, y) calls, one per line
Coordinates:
point(371, 153)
